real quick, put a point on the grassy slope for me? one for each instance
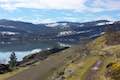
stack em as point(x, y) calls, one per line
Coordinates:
point(82, 70)
point(10, 74)
point(87, 62)
point(81, 67)
point(17, 71)
point(101, 48)
point(47, 67)
point(97, 48)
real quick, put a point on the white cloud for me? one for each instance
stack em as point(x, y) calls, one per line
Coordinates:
point(105, 5)
point(115, 4)
point(42, 4)
point(77, 5)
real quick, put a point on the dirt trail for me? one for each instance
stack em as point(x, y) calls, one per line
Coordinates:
point(91, 75)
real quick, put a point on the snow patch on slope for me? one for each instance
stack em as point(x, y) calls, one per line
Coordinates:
point(82, 25)
point(57, 24)
point(104, 23)
point(8, 33)
point(7, 26)
point(52, 25)
point(65, 33)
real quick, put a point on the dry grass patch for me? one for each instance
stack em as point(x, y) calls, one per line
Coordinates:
point(10, 74)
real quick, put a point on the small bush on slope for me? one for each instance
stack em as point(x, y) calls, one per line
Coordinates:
point(113, 71)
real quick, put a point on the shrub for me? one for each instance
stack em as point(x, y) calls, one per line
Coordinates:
point(113, 71)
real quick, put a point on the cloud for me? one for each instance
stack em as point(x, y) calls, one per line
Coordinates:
point(77, 5)
point(42, 4)
point(105, 5)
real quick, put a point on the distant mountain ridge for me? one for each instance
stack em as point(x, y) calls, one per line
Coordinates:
point(59, 31)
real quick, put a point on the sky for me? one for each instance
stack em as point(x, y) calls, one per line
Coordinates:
point(46, 11)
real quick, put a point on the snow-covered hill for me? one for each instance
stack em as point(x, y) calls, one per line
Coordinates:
point(53, 31)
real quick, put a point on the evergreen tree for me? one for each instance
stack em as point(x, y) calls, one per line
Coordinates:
point(13, 61)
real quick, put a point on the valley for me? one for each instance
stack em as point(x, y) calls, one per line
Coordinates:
point(84, 61)
point(59, 39)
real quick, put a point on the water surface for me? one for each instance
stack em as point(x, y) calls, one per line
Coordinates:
point(25, 48)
